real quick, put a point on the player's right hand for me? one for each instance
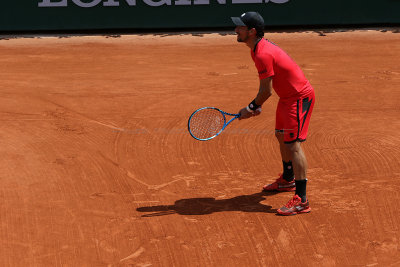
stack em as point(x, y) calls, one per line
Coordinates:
point(245, 114)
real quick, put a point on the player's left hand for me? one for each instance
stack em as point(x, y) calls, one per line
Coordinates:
point(257, 112)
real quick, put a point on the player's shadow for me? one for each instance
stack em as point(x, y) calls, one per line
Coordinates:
point(203, 206)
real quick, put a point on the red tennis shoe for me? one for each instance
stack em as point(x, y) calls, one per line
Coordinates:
point(281, 185)
point(295, 206)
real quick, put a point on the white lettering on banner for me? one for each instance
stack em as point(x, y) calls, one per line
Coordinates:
point(207, 2)
point(49, 3)
point(157, 3)
point(183, 2)
point(115, 3)
point(83, 4)
point(247, 1)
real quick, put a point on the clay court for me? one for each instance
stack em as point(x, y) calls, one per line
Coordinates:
point(98, 168)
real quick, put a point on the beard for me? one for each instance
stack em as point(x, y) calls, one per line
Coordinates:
point(242, 39)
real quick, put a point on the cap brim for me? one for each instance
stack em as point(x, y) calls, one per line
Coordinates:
point(237, 21)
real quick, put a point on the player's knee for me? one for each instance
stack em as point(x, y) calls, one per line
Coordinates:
point(279, 135)
point(293, 147)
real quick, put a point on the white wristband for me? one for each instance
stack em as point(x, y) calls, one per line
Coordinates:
point(248, 109)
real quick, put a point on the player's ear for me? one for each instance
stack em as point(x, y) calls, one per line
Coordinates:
point(253, 31)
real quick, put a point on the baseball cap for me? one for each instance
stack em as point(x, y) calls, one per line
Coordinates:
point(250, 19)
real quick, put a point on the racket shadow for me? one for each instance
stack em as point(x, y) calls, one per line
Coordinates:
point(204, 206)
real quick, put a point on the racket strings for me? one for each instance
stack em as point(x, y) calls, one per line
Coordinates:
point(206, 123)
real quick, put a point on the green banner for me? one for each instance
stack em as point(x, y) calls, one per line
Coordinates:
point(31, 15)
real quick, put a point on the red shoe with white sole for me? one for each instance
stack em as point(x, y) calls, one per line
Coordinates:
point(295, 206)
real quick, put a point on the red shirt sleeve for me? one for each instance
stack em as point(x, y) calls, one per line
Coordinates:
point(265, 65)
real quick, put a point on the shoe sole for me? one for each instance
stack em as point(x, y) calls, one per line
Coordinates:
point(294, 213)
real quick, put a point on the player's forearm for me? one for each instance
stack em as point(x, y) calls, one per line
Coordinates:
point(264, 92)
point(263, 95)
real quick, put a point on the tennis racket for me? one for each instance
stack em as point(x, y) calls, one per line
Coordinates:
point(208, 122)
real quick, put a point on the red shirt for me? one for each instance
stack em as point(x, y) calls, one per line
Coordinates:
point(287, 78)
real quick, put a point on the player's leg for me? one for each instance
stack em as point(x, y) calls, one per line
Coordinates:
point(282, 147)
point(299, 203)
point(285, 181)
point(287, 165)
point(300, 169)
point(299, 160)
point(299, 124)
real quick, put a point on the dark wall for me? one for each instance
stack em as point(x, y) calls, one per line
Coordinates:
point(26, 15)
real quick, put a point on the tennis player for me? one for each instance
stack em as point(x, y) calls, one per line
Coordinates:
point(296, 101)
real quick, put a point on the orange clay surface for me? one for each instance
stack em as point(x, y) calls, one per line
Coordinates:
point(97, 167)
